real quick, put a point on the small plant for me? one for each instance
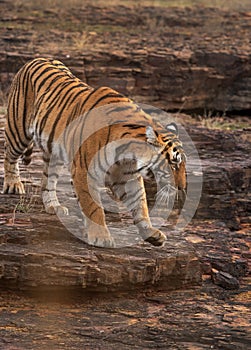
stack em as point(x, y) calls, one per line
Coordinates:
point(81, 40)
point(24, 205)
point(28, 201)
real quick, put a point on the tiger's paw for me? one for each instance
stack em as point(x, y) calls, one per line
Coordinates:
point(13, 187)
point(101, 238)
point(157, 238)
point(52, 205)
point(102, 242)
point(57, 210)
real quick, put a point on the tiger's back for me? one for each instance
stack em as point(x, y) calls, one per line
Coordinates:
point(95, 129)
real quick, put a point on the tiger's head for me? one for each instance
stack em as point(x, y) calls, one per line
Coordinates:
point(170, 155)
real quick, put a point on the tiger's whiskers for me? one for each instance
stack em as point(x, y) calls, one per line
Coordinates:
point(164, 195)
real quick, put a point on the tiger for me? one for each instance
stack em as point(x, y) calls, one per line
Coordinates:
point(125, 148)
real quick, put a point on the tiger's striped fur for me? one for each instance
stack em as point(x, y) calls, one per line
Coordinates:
point(50, 106)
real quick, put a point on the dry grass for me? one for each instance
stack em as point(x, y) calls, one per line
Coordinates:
point(220, 121)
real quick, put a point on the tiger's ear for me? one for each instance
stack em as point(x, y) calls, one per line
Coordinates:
point(173, 128)
point(152, 136)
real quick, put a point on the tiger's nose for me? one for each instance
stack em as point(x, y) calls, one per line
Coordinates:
point(177, 157)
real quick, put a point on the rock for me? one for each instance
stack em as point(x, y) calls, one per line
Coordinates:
point(43, 254)
point(237, 268)
point(225, 280)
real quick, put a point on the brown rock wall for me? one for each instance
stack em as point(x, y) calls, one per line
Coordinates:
point(177, 58)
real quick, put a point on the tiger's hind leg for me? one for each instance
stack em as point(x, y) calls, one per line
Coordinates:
point(26, 156)
point(133, 195)
point(12, 180)
point(50, 177)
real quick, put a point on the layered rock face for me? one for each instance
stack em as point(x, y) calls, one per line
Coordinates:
point(175, 58)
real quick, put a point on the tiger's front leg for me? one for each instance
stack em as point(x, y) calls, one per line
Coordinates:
point(49, 182)
point(133, 196)
point(97, 231)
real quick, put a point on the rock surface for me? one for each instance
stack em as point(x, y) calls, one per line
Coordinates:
point(189, 319)
point(36, 251)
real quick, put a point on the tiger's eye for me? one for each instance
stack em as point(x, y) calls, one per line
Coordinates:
point(174, 149)
point(170, 144)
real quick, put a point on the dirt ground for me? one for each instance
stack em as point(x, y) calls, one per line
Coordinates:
point(208, 316)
